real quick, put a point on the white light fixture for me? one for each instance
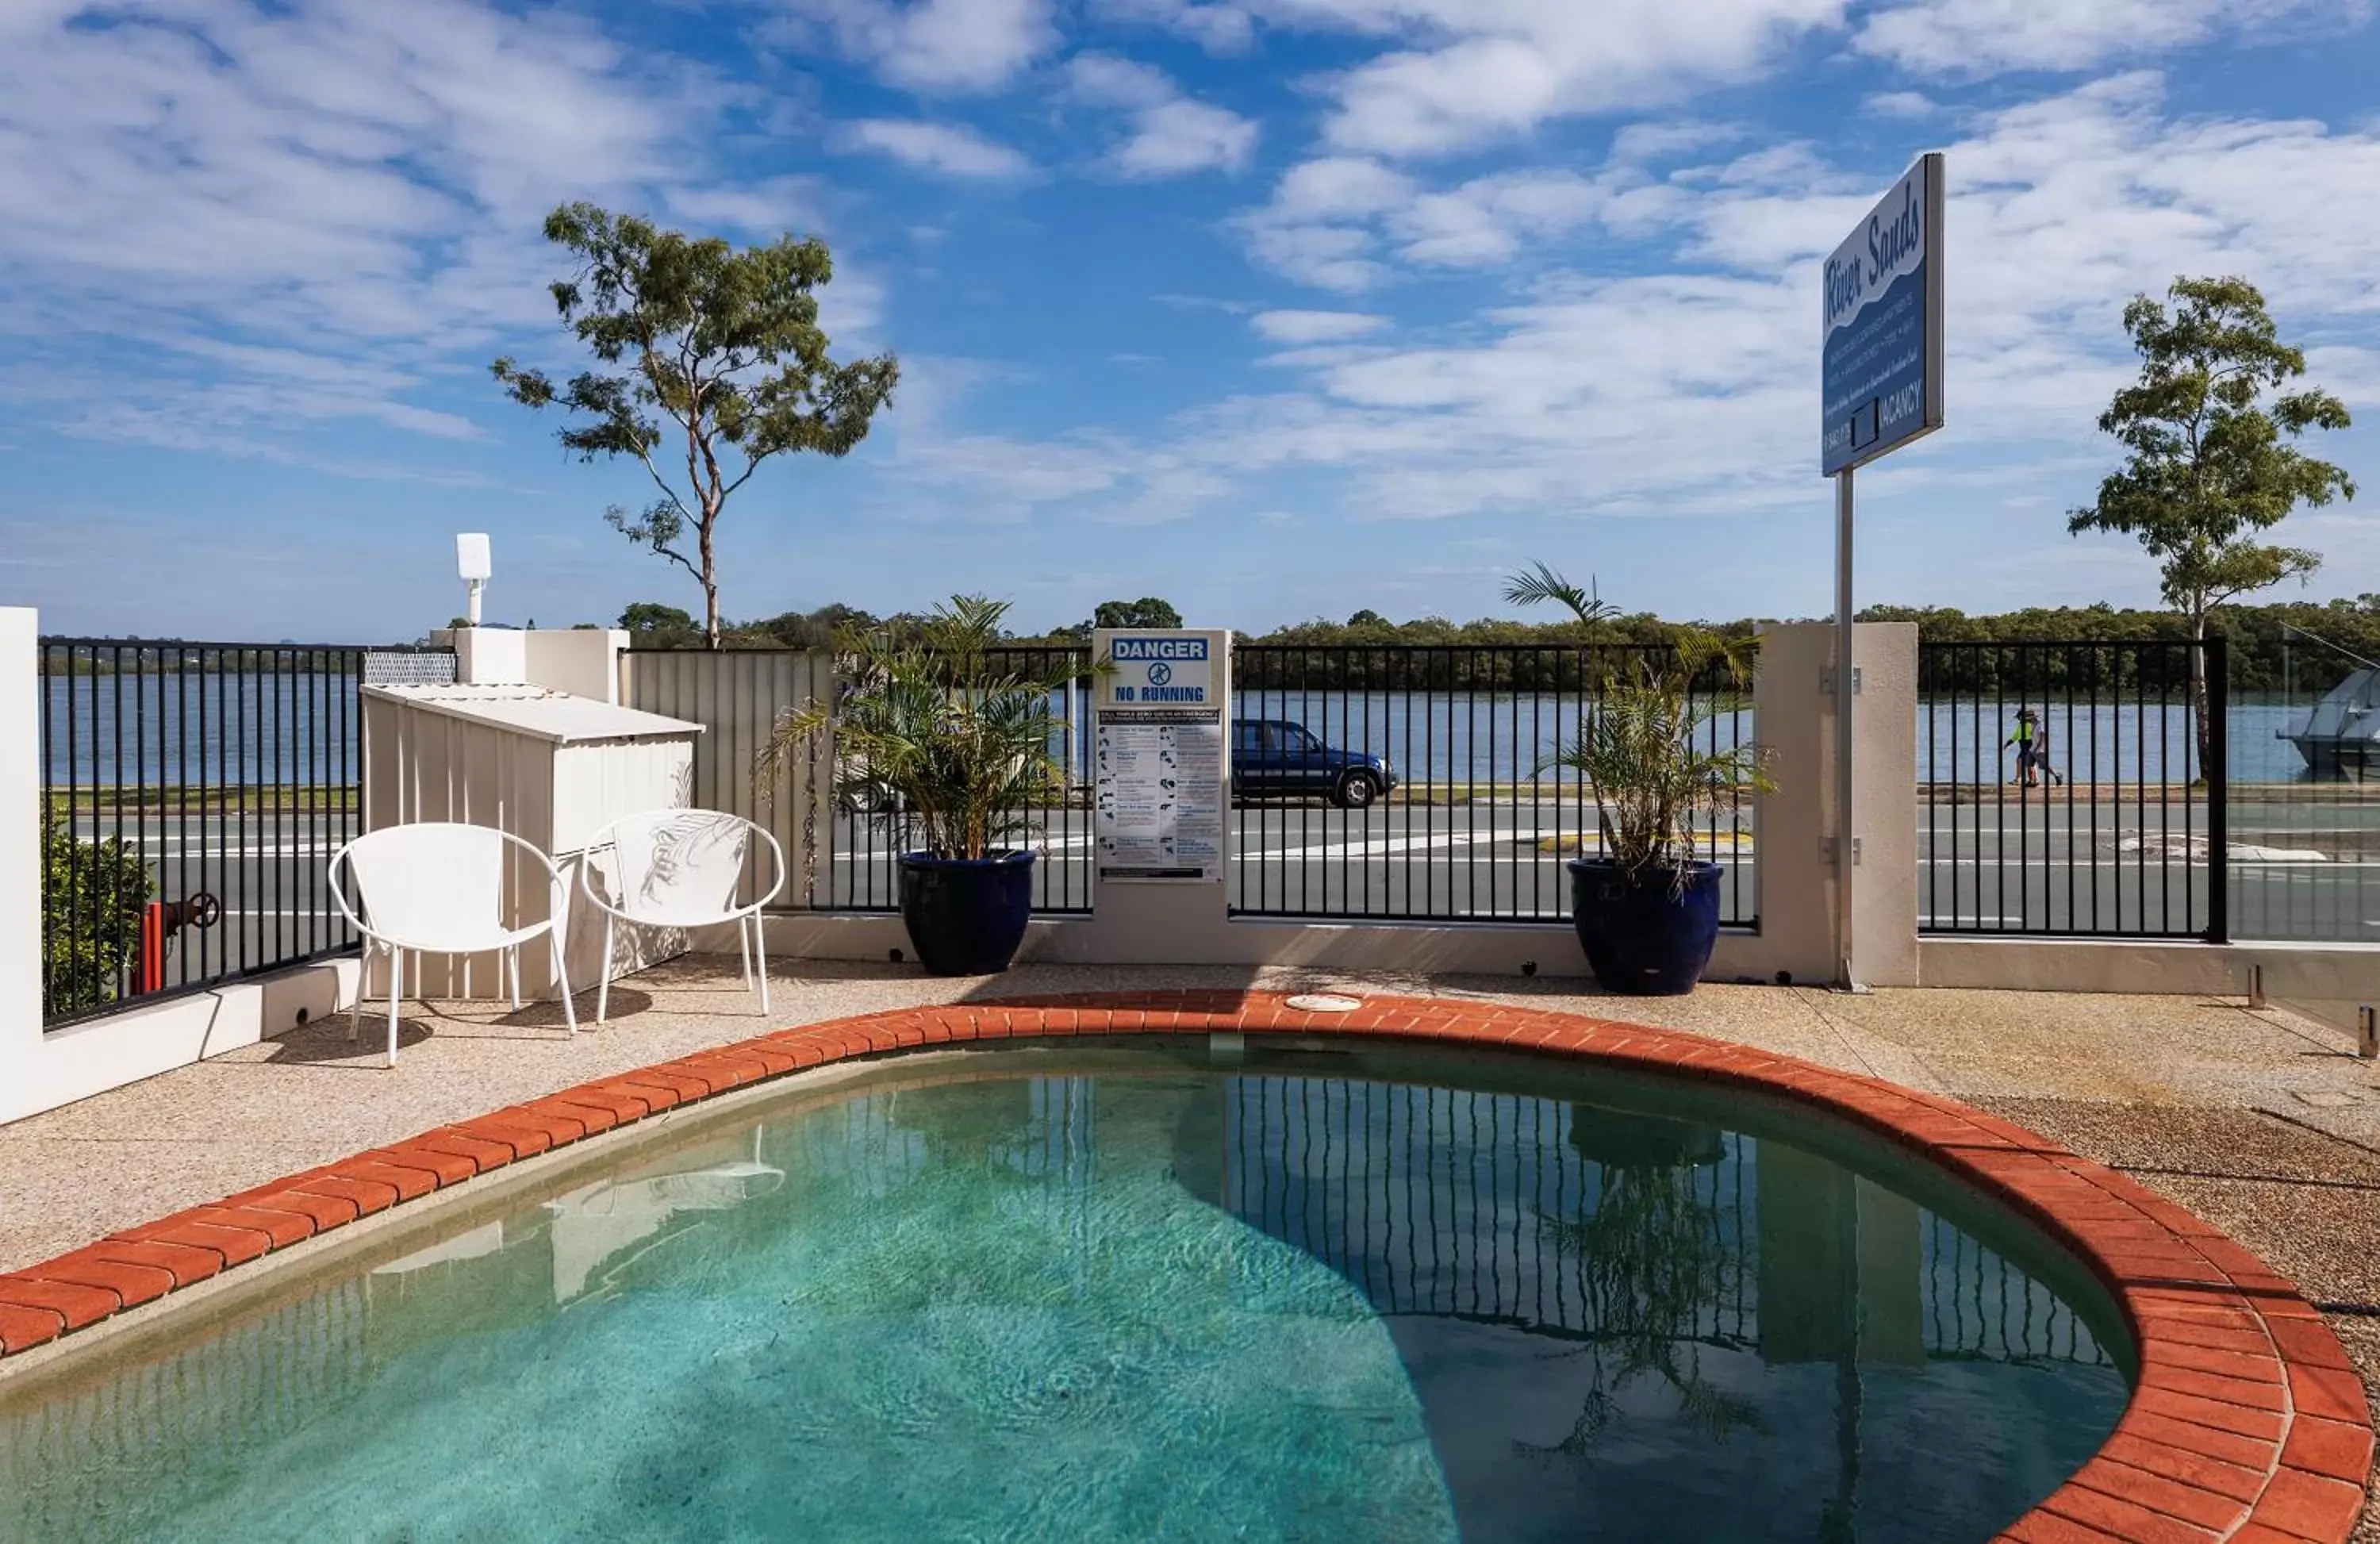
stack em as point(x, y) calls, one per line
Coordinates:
point(473, 566)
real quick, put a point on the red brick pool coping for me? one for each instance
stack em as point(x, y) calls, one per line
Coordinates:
point(2248, 1421)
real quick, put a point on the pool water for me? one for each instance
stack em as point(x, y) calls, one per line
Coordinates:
point(1114, 1296)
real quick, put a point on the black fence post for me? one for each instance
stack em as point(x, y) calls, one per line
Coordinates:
point(2219, 790)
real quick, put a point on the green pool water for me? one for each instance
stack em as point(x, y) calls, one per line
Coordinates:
point(1094, 1295)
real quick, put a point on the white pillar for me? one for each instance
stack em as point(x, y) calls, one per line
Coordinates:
point(584, 661)
point(1799, 822)
point(20, 847)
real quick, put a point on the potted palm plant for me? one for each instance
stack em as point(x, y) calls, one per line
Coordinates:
point(1646, 905)
point(949, 749)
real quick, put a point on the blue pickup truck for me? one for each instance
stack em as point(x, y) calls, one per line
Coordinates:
point(1273, 758)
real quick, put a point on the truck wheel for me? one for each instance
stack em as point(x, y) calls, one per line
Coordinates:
point(1356, 791)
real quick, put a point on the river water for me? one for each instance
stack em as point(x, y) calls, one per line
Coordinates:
point(255, 728)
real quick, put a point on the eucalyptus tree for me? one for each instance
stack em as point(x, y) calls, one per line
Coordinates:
point(709, 355)
point(2210, 429)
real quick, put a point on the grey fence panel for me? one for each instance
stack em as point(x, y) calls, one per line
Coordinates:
point(853, 852)
point(737, 696)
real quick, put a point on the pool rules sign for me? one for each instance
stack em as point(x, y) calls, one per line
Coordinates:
point(1160, 778)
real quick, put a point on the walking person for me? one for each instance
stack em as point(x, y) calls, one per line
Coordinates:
point(2028, 726)
point(2041, 753)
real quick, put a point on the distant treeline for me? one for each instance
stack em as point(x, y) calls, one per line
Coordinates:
point(2291, 645)
point(2300, 645)
point(1369, 651)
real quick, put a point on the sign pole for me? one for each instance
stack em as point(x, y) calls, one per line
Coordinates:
point(1846, 693)
point(1880, 373)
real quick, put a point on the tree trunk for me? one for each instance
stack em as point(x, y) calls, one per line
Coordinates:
point(711, 628)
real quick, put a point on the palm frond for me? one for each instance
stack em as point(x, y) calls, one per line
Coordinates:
point(1638, 749)
point(1539, 584)
point(951, 750)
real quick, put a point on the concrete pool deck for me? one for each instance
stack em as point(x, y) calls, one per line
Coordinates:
point(2265, 1125)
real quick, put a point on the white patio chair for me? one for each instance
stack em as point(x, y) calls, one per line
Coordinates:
point(683, 868)
point(438, 887)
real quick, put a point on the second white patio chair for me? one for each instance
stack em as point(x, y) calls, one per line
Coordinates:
point(683, 869)
point(437, 887)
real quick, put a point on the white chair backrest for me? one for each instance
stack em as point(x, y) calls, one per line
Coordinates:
point(432, 880)
point(680, 862)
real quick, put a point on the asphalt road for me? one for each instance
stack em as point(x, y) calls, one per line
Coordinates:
point(2296, 874)
point(2037, 869)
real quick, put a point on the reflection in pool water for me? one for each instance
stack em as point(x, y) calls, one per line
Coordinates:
point(1154, 1303)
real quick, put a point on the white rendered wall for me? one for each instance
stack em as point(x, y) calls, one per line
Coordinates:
point(40, 1071)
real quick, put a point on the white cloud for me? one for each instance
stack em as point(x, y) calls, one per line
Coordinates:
point(323, 212)
point(1470, 72)
point(1486, 221)
point(762, 209)
point(1334, 221)
point(1296, 327)
point(1905, 105)
point(1216, 26)
point(1171, 135)
point(1984, 37)
point(956, 45)
point(1688, 389)
point(952, 150)
point(1316, 229)
point(1182, 136)
point(1659, 140)
point(1008, 478)
point(348, 180)
point(1337, 187)
point(1328, 257)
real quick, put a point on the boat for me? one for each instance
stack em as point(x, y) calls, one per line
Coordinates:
point(2340, 737)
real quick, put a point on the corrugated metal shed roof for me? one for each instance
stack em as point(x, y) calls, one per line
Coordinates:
point(554, 716)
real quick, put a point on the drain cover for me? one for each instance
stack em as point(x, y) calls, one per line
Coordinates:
point(1324, 1002)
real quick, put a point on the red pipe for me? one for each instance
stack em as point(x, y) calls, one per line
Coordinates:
point(153, 948)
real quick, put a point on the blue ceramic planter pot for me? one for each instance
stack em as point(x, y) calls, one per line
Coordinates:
point(967, 915)
point(1645, 940)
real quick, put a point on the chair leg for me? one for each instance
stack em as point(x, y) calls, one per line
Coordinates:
point(395, 994)
point(603, 988)
point(562, 983)
point(356, 1008)
point(744, 952)
point(511, 959)
point(761, 961)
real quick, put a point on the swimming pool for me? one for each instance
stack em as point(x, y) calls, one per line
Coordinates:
point(1099, 1293)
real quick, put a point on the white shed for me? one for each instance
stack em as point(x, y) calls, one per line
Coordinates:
point(548, 767)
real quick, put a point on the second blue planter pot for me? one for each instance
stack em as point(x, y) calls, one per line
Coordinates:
point(967, 915)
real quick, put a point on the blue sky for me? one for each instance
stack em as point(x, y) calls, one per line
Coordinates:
point(1277, 308)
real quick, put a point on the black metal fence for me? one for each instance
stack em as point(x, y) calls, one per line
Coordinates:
point(2073, 789)
point(192, 794)
point(859, 848)
point(1478, 825)
point(2304, 806)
